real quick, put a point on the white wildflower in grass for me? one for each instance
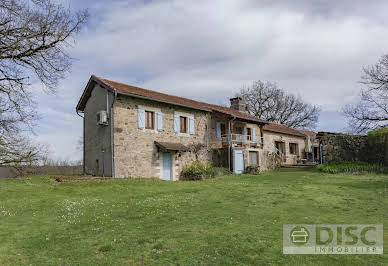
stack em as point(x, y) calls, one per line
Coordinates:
point(85, 210)
point(5, 212)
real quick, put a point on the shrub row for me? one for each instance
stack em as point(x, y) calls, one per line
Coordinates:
point(199, 170)
point(351, 167)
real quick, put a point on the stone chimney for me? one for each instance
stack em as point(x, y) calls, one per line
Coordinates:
point(238, 104)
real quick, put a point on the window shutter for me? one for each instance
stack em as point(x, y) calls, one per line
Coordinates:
point(176, 123)
point(159, 121)
point(140, 118)
point(253, 134)
point(218, 129)
point(245, 133)
point(191, 125)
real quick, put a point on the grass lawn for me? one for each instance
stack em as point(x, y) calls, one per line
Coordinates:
point(226, 221)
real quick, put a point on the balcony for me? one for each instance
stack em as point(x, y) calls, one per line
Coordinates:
point(240, 140)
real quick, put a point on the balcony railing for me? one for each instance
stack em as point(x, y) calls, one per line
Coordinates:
point(240, 139)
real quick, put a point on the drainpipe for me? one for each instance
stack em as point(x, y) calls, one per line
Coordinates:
point(103, 163)
point(83, 142)
point(111, 135)
point(230, 142)
point(321, 152)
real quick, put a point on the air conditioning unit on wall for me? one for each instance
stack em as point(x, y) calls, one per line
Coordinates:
point(102, 118)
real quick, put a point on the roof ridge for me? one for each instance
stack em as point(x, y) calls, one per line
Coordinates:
point(153, 91)
point(291, 130)
point(204, 105)
point(136, 91)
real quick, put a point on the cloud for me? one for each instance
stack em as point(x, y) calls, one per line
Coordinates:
point(223, 43)
point(207, 50)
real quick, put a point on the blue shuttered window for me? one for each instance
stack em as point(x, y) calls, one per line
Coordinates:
point(176, 123)
point(140, 118)
point(253, 134)
point(191, 125)
point(159, 121)
point(245, 133)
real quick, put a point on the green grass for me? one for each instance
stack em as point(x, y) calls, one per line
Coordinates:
point(232, 220)
point(351, 167)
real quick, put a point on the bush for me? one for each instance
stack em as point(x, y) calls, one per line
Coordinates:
point(200, 170)
point(351, 167)
point(378, 135)
point(253, 170)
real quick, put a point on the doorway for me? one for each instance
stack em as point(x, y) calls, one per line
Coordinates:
point(281, 150)
point(316, 154)
point(238, 161)
point(167, 163)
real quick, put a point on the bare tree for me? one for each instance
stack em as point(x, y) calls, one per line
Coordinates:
point(34, 36)
point(371, 112)
point(80, 144)
point(267, 101)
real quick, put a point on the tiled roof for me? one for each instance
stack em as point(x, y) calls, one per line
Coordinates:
point(279, 128)
point(309, 133)
point(171, 146)
point(161, 97)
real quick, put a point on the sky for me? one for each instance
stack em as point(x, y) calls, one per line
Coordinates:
point(208, 50)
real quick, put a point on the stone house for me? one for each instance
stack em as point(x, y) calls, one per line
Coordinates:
point(294, 146)
point(134, 132)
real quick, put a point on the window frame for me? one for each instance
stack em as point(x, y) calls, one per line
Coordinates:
point(147, 126)
point(295, 145)
point(223, 132)
point(257, 158)
point(183, 126)
point(249, 133)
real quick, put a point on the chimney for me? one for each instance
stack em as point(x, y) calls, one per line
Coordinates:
point(238, 104)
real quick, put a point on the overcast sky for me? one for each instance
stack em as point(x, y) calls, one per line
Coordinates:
point(207, 50)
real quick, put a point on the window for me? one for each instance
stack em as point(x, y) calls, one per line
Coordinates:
point(249, 133)
point(220, 129)
point(149, 120)
point(223, 129)
point(293, 148)
point(253, 158)
point(183, 124)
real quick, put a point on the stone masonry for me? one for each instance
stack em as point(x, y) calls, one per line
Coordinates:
point(134, 150)
point(270, 138)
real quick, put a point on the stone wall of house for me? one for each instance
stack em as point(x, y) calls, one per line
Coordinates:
point(136, 155)
point(268, 161)
point(220, 152)
point(269, 142)
point(342, 147)
point(220, 157)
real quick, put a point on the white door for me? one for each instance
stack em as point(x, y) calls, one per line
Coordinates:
point(166, 166)
point(238, 162)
